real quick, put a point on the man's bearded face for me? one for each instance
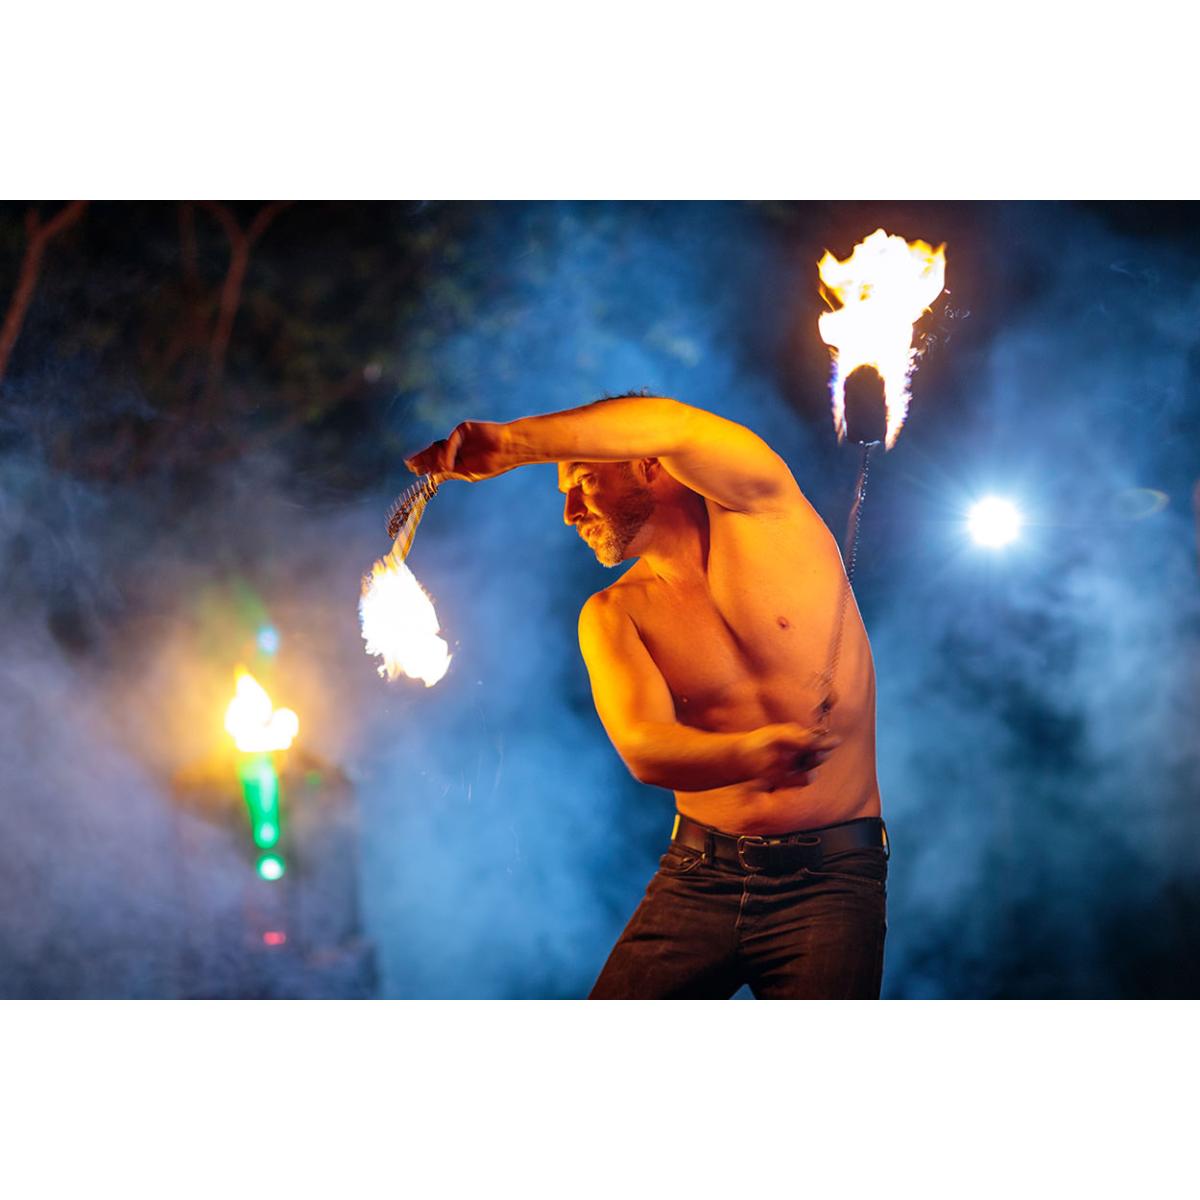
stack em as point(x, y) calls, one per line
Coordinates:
point(607, 504)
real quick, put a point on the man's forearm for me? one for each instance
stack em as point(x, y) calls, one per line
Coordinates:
point(684, 759)
point(719, 459)
point(616, 430)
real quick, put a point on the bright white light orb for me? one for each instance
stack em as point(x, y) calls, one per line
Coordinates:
point(994, 522)
point(270, 866)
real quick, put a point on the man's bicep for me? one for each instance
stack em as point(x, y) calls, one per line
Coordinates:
point(627, 687)
point(730, 465)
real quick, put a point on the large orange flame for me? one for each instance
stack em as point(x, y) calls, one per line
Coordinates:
point(256, 726)
point(882, 290)
point(400, 624)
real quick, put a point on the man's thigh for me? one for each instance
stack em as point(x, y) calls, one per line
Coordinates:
point(821, 938)
point(680, 943)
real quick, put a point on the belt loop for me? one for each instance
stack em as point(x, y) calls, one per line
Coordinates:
point(710, 847)
point(887, 841)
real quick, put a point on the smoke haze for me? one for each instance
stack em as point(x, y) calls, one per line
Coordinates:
point(1037, 706)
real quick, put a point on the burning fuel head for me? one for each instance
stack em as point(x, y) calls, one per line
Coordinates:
point(866, 408)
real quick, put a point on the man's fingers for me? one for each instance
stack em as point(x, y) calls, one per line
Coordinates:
point(800, 772)
point(810, 741)
point(810, 761)
point(416, 463)
point(431, 459)
point(823, 743)
point(440, 458)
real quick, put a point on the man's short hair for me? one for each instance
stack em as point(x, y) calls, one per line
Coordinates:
point(627, 395)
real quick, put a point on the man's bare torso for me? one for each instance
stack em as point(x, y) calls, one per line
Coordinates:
point(744, 643)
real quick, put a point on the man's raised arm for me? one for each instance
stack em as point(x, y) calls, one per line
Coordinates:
point(723, 461)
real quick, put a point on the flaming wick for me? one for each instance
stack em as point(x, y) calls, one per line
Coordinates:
point(881, 291)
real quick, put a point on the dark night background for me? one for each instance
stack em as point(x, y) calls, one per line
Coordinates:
point(203, 412)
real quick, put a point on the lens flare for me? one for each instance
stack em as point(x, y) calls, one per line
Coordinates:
point(994, 522)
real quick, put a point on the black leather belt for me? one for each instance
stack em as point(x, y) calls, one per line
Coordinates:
point(782, 853)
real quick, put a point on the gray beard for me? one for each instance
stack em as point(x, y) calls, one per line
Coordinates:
point(612, 536)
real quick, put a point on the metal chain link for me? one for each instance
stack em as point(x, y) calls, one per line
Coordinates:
point(424, 489)
point(851, 552)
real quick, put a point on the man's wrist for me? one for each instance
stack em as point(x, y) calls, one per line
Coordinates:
point(517, 445)
point(506, 444)
point(746, 755)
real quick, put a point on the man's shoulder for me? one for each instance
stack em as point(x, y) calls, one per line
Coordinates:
point(610, 603)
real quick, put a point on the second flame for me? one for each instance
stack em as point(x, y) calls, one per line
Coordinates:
point(883, 288)
point(255, 725)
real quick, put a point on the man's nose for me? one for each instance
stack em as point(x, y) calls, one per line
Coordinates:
point(573, 508)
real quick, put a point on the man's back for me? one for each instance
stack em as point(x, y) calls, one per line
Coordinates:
point(743, 640)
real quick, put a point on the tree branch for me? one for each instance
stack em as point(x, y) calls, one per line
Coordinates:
point(240, 244)
point(31, 268)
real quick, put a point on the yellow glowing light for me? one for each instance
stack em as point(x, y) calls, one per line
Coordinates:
point(256, 726)
point(400, 624)
point(881, 289)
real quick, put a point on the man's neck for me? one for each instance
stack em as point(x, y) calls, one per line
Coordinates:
point(676, 549)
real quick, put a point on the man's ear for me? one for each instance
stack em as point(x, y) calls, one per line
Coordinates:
point(649, 469)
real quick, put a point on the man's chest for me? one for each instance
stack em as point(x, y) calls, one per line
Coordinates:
point(752, 625)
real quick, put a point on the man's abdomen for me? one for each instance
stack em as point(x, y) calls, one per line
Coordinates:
point(843, 788)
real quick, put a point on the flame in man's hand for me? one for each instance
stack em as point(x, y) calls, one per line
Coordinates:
point(399, 624)
point(256, 726)
point(882, 289)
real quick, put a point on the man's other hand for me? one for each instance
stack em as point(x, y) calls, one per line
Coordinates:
point(787, 754)
point(473, 451)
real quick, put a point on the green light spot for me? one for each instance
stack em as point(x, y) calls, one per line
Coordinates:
point(270, 866)
point(260, 788)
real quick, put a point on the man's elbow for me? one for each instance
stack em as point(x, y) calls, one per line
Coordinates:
point(643, 768)
point(636, 751)
point(649, 773)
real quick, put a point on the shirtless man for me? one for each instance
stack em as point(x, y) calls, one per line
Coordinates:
point(707, 660)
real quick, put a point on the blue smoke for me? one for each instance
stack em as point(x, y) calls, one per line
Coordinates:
point(1037, 709)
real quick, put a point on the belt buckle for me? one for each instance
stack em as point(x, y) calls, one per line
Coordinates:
point(774, 867)
point(752, 839)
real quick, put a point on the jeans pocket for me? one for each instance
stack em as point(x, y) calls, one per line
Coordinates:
point(865, 868)
point(679, 859)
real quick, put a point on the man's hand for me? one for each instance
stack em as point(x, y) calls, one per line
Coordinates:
point(474, 451)
point(785, 755)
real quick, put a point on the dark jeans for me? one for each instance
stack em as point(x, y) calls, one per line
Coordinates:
point(705, 928)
